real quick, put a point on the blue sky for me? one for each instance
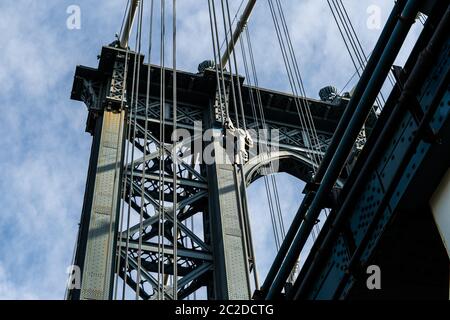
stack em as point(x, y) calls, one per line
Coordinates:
point(44, 149)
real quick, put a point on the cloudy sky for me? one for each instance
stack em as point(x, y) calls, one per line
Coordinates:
point(44, 150)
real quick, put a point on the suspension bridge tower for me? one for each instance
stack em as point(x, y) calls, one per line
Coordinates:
point(160, 220)
point(142, 191)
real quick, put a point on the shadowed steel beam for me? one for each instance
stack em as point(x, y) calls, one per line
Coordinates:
point(237, 33)
point(125, 36)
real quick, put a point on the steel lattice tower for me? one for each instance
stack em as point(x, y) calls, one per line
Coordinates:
point(219, 256)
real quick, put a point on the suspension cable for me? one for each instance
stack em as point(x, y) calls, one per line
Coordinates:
point(161, 199)
point(255, 116)
point(124, 178)
point(221, 67)
point(134, 103)
point(232, 24)
point(233, 91)
point(124, 17)
point(264, 125)
point(216, 55)
point(270, 197)
point(295, 89)
point(238, 168)
point(356, 49)
point(241, 103)
point(237, 98)
point(298, 89)
point(131, 128)
point(174, 156)
point(301, 86)
point(144, 169)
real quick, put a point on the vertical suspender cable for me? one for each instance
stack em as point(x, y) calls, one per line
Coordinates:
point(276, 231)
point(240, 167)
point(299, 79)
point(221, 83)
point(345, 25)
point(216, 55)
point(359, 90)
point(232, 23)
point(174, 156)
point(296, 82)
point(162, 153)
point(291, 77)
point(241, 103)
point(264, 125)
point(132, 128)
point(221, 66)
point(140, 17)
point(144, 169)
point(302, 93)
point(364, 105)
point(124, 177)
point(134, 107)
point(390, 76)
point(255, 116)
point(356, 45)
point(236, 100)
point(124, 17)
point(233, 91)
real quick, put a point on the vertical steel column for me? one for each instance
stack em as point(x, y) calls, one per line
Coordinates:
point(96, 248)
point(231, 276)
point(98, 266)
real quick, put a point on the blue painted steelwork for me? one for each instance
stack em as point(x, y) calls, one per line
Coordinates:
point(413, 142)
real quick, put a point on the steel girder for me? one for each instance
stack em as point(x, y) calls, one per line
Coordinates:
point(197, 254)
point(142, 190)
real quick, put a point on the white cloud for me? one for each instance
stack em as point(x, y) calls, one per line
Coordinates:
point(10, 290)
